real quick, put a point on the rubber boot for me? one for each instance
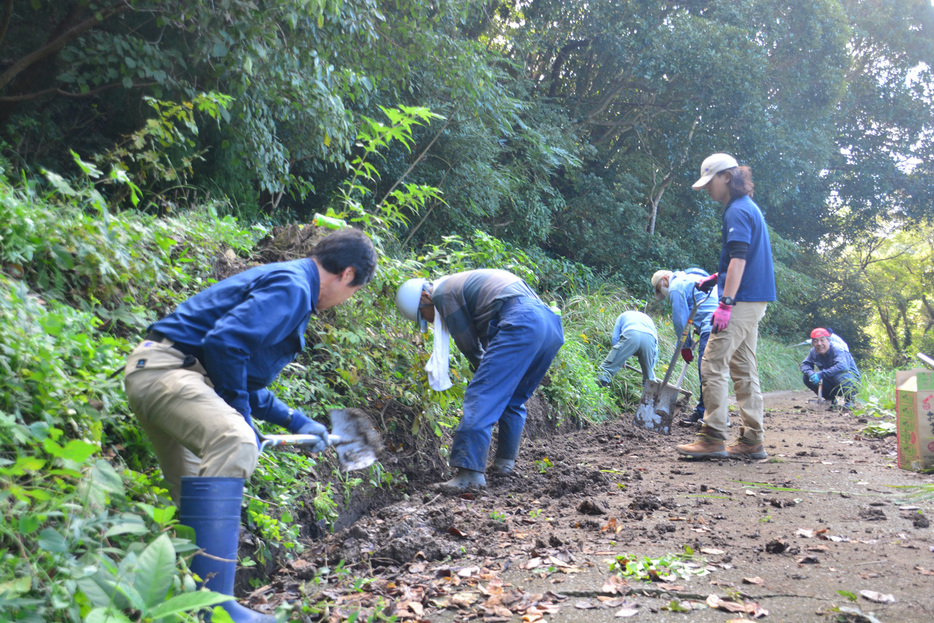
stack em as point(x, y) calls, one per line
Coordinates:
point(504, 466)
point(211, 506)
point(465, 478)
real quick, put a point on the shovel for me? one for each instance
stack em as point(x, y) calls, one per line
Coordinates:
point(352, 434)
point(820, 400)
point(659, 399)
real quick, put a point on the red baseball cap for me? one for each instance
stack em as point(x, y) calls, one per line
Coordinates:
point(819, 332)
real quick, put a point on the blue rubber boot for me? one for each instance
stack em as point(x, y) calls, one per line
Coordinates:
point(211, 506)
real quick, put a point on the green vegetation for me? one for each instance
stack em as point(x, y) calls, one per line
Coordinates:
point(668, 568)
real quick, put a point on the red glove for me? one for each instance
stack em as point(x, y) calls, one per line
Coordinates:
point(707, 283)
point(687, 354)
point(721, 317)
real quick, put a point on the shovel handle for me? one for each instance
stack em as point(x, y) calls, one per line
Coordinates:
point(271, 441)
point(682, 340)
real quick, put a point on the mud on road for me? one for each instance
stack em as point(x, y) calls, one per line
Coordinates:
point(822, 530)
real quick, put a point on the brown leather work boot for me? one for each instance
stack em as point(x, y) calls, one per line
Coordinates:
point(742, 449)
point(704, 448)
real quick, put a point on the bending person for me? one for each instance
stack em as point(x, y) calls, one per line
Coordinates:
point(199, 377)
point(679, 287)
point(633, 334)
point(510, 338)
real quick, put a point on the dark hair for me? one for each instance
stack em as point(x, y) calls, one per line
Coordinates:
point(740, 182)
point(347, 248)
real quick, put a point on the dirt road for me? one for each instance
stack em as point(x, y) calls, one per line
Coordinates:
point(819, 530)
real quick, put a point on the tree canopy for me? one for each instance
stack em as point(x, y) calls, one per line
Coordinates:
point(575, 127)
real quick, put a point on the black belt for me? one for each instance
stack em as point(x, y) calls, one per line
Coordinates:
point(191, 353)
point(154, 336)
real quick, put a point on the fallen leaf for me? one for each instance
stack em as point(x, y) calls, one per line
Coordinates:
point(466, 572)
point(612, 602)
point(878, 598)
point(804, 532)
point(711, 551)
point(808, 560)
point(584, 605)
point(454, 531)
point(614, 584)
point(665, 586)
point(629, 610)
point(533, 563)
point(924, 571)
point(756, 580)
point(721, 604)
point(610, 525)
point(464, 600)
point(498, 611)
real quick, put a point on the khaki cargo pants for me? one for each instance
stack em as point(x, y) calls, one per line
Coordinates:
point(731, 353)
point(192, 430)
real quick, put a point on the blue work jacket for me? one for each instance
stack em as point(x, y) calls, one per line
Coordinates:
point(633, 321)
point(245, 329)
point(683, 296)
point(831, 364)
point(743, 222)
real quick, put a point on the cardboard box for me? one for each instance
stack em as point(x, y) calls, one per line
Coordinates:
point(914, 407)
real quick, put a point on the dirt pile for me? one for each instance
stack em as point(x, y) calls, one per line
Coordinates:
point(818, 530)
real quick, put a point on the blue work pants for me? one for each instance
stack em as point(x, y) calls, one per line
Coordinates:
point(642, 344)
point(524, 339)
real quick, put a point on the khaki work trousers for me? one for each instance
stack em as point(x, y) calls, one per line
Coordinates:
point(192, 430)
point(731, 353)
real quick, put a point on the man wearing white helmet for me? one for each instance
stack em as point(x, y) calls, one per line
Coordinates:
point(510, 338)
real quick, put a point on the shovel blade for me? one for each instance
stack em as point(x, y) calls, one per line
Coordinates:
point(358, 440)
point(651, 414)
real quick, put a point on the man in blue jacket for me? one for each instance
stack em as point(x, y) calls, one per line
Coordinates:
point(830, 369)
point(200, 376)
point(679, 287)
point(633, 334)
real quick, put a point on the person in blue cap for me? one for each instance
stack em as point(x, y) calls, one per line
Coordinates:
point(680, 288)
point(510, 338)
point(200, 376)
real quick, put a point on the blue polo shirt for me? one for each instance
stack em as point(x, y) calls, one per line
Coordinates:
point(743, 222)
point(245, 329)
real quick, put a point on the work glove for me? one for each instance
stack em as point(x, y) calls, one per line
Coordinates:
point(815, 378)
point(687, 354)
point(707, 283)
point(720, 318)
point(319, 430)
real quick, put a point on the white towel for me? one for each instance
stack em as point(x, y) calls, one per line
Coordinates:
point(440, 361)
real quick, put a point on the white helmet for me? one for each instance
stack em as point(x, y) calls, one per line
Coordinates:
point(408, 298)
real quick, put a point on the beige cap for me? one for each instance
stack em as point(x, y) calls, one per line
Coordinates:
point(712, 165)
point(658, 276)
point(656, 279)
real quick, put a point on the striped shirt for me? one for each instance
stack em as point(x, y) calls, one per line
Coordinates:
point(467, 302)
